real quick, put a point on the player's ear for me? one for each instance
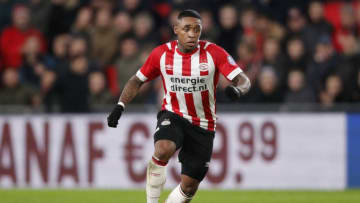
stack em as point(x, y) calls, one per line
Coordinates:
point(176, 28)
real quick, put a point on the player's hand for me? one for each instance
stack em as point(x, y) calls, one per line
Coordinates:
point(233, 92)
point(114, 116)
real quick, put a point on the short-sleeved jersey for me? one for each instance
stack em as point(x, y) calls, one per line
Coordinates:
point(190, 79)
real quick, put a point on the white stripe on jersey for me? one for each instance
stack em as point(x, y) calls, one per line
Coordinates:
point(212, 87)
point(166, 82)
point(207, 44)
point(168, 45)
point(234, 73)
point(141, 76)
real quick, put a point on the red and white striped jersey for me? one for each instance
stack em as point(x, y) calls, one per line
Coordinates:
point(190, 79)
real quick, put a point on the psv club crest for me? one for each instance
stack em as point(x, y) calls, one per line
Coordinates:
point(203, 67)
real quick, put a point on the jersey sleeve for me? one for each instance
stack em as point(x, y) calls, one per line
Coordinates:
point(151, 68)
point(224, 62)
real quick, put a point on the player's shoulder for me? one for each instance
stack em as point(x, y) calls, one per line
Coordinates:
point(159, 50)
point(210, 46)
point(165, 47)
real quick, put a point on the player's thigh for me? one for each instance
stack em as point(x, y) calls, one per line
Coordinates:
point(168, 128)
point(196, 152)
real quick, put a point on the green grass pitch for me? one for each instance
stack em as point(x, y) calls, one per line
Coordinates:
point(203, 196)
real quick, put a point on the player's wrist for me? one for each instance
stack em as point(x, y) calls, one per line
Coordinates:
point(244, 87)
point(121, 104)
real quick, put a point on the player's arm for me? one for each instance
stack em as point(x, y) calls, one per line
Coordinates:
point(240, 85)
point(149, 71)
point(228, 67)
point(130, 91)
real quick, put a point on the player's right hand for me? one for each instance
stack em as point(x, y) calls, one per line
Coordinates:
point(114, 116)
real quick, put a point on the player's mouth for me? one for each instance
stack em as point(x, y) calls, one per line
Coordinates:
point(192, 43)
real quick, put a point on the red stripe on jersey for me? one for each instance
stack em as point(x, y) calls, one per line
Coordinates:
point(163, 104)
point(173, 44)
point(189, 99)
point(207, 111)
point(169, 62)
point(203, 59)
point(186, 65)
point(175, 103)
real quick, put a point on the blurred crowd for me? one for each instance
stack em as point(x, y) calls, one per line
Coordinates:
point(76, 55)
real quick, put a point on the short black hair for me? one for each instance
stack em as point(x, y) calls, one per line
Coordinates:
point(189, 13)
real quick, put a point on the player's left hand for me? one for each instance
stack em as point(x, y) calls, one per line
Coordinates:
point(233, 92)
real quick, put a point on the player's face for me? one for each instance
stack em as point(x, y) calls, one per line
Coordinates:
point(188, 31)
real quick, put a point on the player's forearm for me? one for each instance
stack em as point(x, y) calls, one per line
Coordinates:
point(242, 82)
point(131, 89)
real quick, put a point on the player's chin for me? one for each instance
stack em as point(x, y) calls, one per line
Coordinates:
point(190, 45)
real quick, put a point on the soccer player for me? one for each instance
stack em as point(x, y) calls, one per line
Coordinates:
point(189, 69)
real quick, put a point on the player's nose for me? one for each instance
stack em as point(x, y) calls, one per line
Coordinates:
point(191, 34)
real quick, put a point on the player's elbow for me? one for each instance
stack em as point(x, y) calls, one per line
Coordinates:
point(136, 81)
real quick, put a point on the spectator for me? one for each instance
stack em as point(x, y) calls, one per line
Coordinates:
point(59, 52)
point(273, 57)
point(78, 46)
point(166, 32)
point(62, 16)
point(40, 11)
point(298, 91)
point(13, 38)
point(253, 35)
point(102, 4)
point(144, 29)
point(266, 89)
point(128, 63)
point(348, 63)
point(323, 63)
point(122, 23)
point(210, 31)
point(332, 92)
point(269, 28)
point(15, 93)
point(133, 7)
point(57, 64)
point(33, 66)
point(317, 26)
point(82, 25)
point(103, 39)
point(99, 97)
point(247, 59)
point(296, 23)
point(347, 25)
point(295, 54)
point(72, 87)
point(230, 29)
